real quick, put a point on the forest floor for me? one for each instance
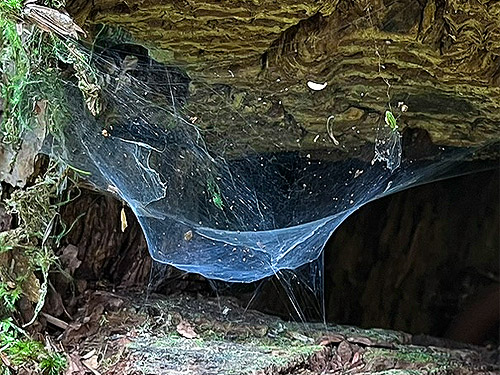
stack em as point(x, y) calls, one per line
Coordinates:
point(119, 333)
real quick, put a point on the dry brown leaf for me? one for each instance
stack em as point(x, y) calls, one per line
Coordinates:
point(123, 219)
point(69, 258)
point(344, 352)
point(75, 366)
point(18, 164)
point(92, 364)
point(4, 359)
point(357, 358)
point(186, 330)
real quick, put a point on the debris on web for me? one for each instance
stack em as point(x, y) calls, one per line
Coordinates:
point(208, 202)
point(388, 147)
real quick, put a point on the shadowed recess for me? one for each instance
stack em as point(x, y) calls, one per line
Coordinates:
point(210, 205)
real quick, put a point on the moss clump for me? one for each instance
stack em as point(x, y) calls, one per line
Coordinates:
point(26, 256)
point(22, 352)
point(29, 248)
point(10, 8)
point(412, 357)
point(31, 63)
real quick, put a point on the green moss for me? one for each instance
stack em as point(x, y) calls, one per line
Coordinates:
point(412, 355)
point(53, 364)
point(21, 350)
point(15, 67)
point(214, 349)
point(282, 354)
point(31, 73)
point(10, 7)
point(9, 297)
point(290, 346)
point(211, 335)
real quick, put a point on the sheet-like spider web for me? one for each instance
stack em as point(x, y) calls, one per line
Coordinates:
point(235, 213)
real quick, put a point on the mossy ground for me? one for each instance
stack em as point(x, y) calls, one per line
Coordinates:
point(26, 256)
point(201, 335)
point(21, 354)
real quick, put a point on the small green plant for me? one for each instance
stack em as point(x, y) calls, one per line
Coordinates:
point(23, 351)
point(53, 364)
point(30, 71)
point(14, 67)
point(390, 120)
point(9, 296)
point(9, 333)
point(214, 192)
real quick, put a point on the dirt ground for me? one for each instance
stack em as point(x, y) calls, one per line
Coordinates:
point(117, 333)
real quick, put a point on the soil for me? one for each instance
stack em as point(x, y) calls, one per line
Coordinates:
point(136, 333)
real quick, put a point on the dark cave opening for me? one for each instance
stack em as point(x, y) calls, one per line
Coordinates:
point(423, 261)
point(420, 261)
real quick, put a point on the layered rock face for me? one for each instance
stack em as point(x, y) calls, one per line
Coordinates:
point(437, 59)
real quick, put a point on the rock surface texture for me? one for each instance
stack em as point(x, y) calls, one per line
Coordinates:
point(441, 58)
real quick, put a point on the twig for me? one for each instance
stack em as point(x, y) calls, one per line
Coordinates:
point(55, 321)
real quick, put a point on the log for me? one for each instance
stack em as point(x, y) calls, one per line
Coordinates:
point(254, 58)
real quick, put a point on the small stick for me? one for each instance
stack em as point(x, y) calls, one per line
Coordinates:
point(55, 321)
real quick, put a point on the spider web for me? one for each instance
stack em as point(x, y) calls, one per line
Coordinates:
point(207, 205)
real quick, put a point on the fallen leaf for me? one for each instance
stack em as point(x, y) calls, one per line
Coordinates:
point(88, 355)
point(69, 258)
point(333, 338)
point(5, 359)
point(356, 358)
point(123, 217)
point(188, 236)
point(75, 366)
point(345, 352)
point(186, 330)
point(17, 164)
